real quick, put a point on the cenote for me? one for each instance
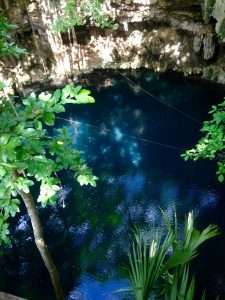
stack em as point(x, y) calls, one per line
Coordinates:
point(132, 138)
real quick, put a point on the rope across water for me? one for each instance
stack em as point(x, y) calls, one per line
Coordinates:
point(142, 139)
point(186, 115)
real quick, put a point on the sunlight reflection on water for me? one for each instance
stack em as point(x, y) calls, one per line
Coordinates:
point(92, 289)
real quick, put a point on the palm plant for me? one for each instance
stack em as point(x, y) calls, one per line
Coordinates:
point(161, 267)
point(146, 263)
point(182, 286)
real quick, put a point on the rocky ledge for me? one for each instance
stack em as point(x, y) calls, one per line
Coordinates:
point(159, 35)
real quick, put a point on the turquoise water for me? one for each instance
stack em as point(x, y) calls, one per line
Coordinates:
point(133, 140)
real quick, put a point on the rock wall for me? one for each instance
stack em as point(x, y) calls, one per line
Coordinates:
point(218, 13)
point(155, 34)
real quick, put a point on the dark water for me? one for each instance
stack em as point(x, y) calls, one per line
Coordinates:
point(133, 142)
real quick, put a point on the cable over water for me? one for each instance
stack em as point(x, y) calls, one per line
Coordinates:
point(162, 102)
point(142, 139)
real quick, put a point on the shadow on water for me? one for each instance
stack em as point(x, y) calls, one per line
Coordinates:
point(133, 143)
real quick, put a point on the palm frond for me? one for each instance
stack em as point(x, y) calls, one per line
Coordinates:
point(161, 265)
point(182, 286)
point(146, 263)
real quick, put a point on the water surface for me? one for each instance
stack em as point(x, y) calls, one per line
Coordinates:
point(133, 140)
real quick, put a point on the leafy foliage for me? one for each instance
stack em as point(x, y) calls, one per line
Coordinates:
point(77, 13)
point(7, 46)
point(160, 267)
point(29, 155)
point(212, 144)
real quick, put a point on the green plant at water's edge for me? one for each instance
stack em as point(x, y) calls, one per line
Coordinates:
point(159, 268)
point(212, 145)
point(7, 46)
point(30, 156)
point(78, 13)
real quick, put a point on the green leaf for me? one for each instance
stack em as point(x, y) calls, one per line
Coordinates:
point(87, 179)
point(10, 207)
point(4, 138)
point(58, 108)
point(48, 191)
point(2, 171)
point(84, 99)
point(49, 118)
point(180, 257)
point(4, 231)
point(211, 145)
point(84, 92)
point(23, 184)
point(69, 93)
point(221, 178)
point(7, 46)
point(56, 96)
point(38, 125)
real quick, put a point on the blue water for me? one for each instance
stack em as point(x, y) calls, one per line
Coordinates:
point(90, 288)
point(133, 141)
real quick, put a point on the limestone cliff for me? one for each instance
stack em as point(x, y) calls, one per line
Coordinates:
point(154, 34)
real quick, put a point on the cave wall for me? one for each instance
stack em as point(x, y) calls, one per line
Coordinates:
point(155, 34)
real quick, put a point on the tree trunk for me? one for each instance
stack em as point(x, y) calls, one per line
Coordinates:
point(5, 296)
point(40, 243)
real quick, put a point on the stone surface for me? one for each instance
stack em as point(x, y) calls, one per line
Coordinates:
point(208, 46)
point(156, 34)
point(219, 14)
